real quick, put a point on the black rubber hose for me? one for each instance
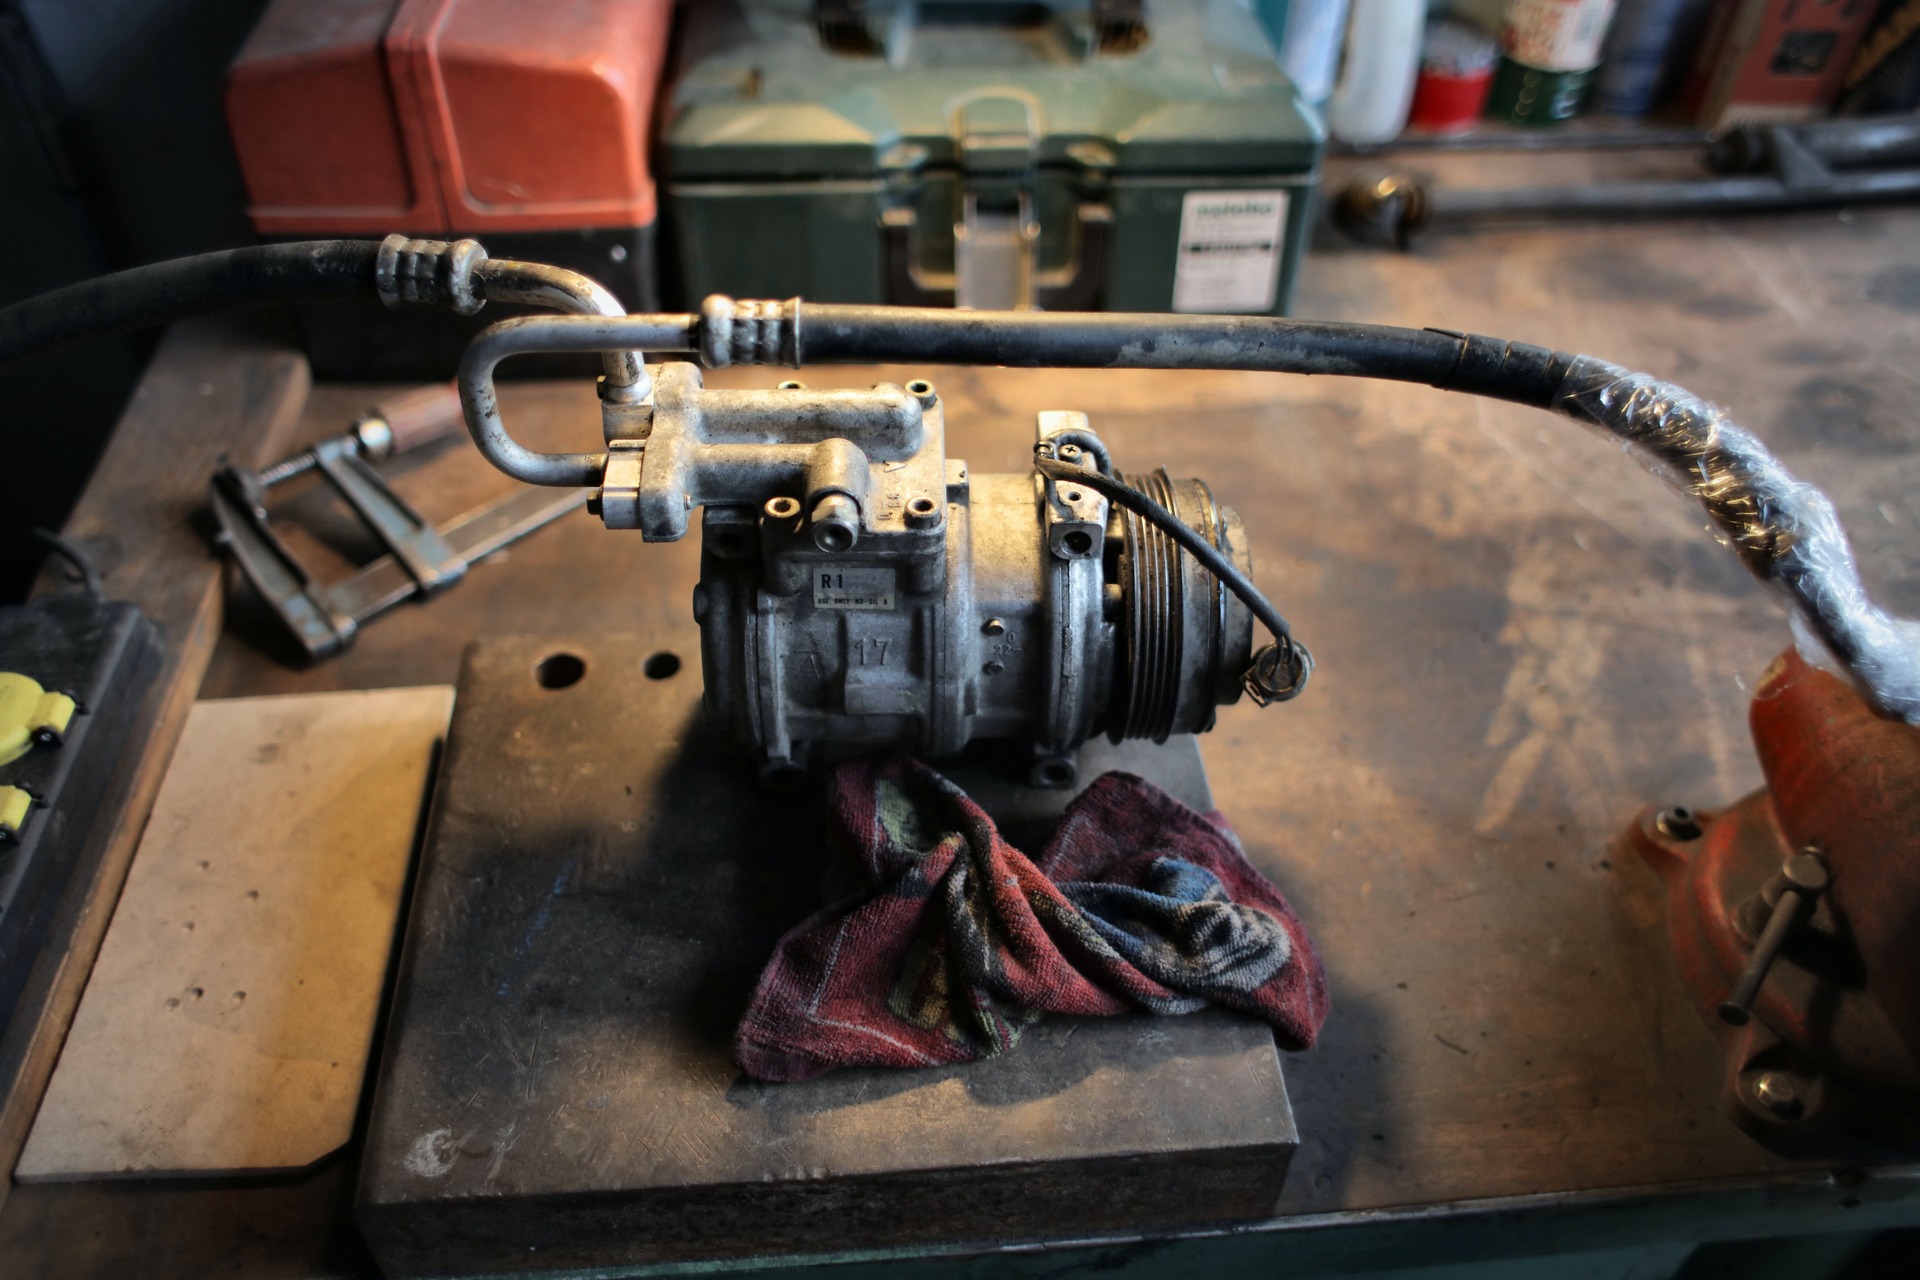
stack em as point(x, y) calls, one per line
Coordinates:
point(1470, 363)
point(266, 275)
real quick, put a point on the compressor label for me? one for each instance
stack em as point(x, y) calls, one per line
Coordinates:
point(1231, 243)
point(853, 588)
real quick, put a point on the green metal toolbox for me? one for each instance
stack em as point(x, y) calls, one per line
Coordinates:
point(1116, 154)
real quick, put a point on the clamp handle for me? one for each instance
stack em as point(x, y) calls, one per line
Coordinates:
point(1802, 878)
point(411, 419)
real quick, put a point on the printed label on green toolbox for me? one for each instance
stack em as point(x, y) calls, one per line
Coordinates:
point(852, 588)
point(1231, 243)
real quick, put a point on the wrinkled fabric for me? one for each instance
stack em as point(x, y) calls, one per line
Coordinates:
point(949, 941)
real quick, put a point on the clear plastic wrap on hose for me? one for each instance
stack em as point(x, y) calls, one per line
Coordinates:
point(1784, 530)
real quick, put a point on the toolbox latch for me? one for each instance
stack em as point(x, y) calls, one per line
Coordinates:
point(996, 237)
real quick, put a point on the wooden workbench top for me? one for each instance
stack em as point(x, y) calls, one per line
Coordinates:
point(1522, 638)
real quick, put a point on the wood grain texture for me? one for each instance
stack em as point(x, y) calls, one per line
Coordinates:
point(226, 1025)
point(212, 389)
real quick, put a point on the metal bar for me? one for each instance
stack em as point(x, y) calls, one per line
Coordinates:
point(321, 628)
point(1667, 199)
point(413, 542)
point(1608, 140)
point(478, 533)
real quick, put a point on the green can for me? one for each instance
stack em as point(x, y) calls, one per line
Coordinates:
point(987, 156)
point(1528, 95)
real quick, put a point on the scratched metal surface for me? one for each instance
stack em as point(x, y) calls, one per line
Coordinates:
point(1523, 639)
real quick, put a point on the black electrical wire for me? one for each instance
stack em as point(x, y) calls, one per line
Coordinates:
point(1278, 672)
point(144, 297)
point(82, 562)
point(1092, 443)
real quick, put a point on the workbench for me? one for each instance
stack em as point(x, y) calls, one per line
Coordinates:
point(1522, 637)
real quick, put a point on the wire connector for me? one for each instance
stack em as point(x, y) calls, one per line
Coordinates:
point(1278, 673)
point(428, 273)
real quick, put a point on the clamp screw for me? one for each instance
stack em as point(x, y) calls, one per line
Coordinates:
point(1678, 823)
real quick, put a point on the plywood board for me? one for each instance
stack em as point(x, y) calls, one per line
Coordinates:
point(226, 1026)
point(213, 388)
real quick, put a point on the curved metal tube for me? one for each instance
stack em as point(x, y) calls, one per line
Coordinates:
point(535, 284)
point(531, 334)
point(1784, 530)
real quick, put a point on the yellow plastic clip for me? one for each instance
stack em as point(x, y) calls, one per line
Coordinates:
point(29, 714)
point(14, 804)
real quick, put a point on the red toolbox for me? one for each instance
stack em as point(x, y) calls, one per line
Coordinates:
point(1771, 61)
point(523, 125)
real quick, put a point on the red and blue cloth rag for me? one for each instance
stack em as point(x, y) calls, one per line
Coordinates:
point(951, 941)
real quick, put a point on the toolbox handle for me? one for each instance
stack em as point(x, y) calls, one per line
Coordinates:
point(1074, 287)
point(1119, 26)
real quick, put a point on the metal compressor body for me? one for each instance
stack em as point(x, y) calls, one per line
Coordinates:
point(860, 589)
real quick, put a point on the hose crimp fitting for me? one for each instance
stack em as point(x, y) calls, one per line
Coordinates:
point(428, 273)
point(749, 332)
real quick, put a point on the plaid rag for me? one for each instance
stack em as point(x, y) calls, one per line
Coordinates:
point(952, 941)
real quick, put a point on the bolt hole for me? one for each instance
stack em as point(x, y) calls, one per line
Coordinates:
point(920, 387)
point(1056, 773)
point(1072, 495)
point(559, 671)
point(728, 542)
point(832, 537)
point(791, 385)
point(783, 508)
point(1678, 823)
point(1078, 542)
point(921, 506)
point(661, 666)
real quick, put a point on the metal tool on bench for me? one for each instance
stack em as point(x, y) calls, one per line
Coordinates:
point(1759, 167)
point(420, 560)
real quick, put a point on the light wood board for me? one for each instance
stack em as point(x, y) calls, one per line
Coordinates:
point(227, 1022)
point(212, 389)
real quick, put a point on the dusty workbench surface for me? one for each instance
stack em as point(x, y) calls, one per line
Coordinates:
point(1522, 639)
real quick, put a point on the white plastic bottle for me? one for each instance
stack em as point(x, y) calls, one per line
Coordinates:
point(1310, 46)
point(1370, 102)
